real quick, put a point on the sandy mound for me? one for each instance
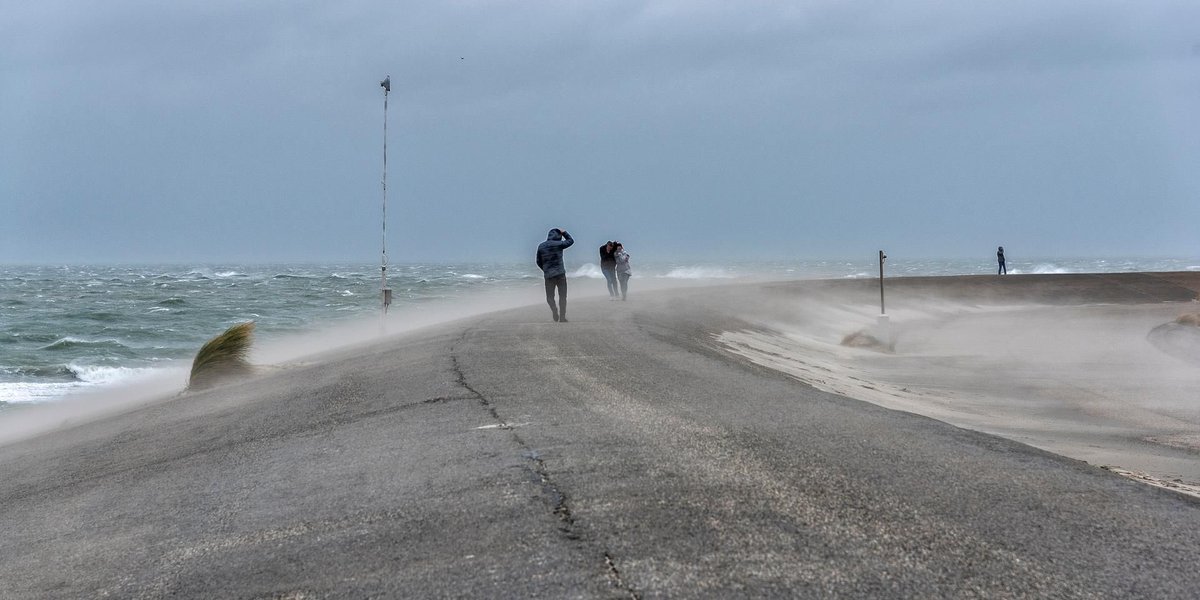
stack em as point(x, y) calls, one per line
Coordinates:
point(862, 339)
point(1177, 339)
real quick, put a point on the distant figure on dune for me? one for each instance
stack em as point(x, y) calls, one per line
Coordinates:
point(608, 266)
point(1000, 259)
point(623, 268)
point(550, 261)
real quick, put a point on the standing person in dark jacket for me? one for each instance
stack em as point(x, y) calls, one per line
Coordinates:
point(1000, 259)
point(550, 261)
point(608, 266)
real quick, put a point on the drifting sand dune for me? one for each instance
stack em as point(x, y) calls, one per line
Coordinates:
point(1090, 366)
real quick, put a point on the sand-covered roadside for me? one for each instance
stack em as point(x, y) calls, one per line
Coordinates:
point(1092, 367)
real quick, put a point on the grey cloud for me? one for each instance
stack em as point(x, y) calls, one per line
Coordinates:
point(922, 124)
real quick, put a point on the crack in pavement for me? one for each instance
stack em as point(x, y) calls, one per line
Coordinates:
point(615, 575)
point(561, 506)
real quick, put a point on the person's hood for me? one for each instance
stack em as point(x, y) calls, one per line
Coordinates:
point(554, 236)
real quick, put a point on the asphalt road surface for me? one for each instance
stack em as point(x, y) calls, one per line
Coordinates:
point(620, 455)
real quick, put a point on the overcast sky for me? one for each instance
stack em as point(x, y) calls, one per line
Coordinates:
point(151, 131)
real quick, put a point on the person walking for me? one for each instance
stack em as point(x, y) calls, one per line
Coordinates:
point(608, 266)
point(550, 261)
point(622, 267)
point(1000, 259)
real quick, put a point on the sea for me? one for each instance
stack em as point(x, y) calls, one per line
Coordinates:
point(71, 328)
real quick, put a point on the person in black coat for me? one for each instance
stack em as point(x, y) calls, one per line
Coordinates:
point(608, 266)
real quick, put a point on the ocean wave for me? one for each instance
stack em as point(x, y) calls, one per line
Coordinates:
point(102, 316)
point(44, 372)
point(699, 273)
point(22, 392)
point(35, 337)
point(67, 343)
point(590, 270)
point(172, 301)
point(472, 276)
point(100, 375)
point(50, 382)
point(1049, 269)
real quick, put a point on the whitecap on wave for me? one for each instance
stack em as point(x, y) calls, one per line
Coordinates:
point(100, 375)
point(589, 270)
point(86, 377)
point(699, 273)
point(28, 392)
point(1049, 269)
point(69, 342)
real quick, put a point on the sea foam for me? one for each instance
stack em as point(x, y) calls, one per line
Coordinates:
point(699, 273)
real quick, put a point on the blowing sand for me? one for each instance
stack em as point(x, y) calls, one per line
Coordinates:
point(623, 455)
point(1094, 367)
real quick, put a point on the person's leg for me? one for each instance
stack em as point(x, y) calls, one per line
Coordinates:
point(550, 284)
point(610, 277)
point(624, 284)
point(562, 299)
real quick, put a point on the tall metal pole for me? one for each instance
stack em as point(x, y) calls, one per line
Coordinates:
point(882, 257)
point(387, 293)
